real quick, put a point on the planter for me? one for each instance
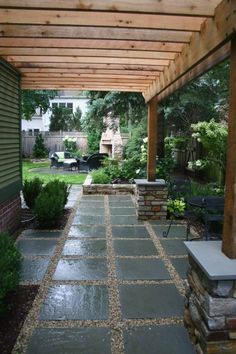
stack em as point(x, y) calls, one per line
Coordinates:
point(89, 188)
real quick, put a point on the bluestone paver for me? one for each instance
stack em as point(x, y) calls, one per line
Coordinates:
point(130, 232)
point(87, 231)
point(134, 248)
point(75, 302)
point(181, 265)
point(81, 269)
point(37, 247)
point(85, 248)
point(33, 270)
point(174, 247)
point(70, 341)
point(150, 301)
point(141, 269)
point(157, 340)
point(41, 234)
point(175, 231)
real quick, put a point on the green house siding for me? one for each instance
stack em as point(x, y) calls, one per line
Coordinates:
point(10, 160)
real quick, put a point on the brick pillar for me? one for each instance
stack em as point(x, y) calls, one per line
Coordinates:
point(151, 199)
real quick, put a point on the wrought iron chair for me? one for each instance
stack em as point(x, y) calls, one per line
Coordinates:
point(180, 188)
point(213, 217)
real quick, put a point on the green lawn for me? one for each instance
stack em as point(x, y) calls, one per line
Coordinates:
point(28, 173)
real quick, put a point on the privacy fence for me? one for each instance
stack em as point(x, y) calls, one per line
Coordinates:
point(53, 141)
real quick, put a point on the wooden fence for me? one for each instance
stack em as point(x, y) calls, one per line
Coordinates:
point(53, 141)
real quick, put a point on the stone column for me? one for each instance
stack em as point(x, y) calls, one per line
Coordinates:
point(210, 306)
point(151, 199)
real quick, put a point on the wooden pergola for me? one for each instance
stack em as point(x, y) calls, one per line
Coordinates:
point(152, 46)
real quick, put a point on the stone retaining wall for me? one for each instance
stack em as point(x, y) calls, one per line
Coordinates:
point(89, 188)
point(210, 312)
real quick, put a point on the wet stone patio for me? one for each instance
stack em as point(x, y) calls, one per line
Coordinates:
point(109, 283)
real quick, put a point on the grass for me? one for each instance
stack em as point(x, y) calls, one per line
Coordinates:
point(29, 174)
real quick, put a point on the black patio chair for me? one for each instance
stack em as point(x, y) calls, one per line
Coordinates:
point(180, 188)
point(92, 162)
point(213, 217)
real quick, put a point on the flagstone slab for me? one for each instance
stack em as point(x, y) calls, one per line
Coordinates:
point(87, 231)
point(88, 219)
point(150, 301)
point(41, 234)
point(158, 340)
point(174, 247)
point(85, 248)
point(175, 231)
point(130, 232)
point(75, 302)
point(83, 269)
point(70, 341)
point(181, 265)
point(141, 269)
point(121, 204)
point(33, 270)
point(90, 211)
point(37, 247)
point(125, 220)
point(93, 197)
point(91, 204)
point(134, 248)
point(123, 211)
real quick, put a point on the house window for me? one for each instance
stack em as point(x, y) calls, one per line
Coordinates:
point(54, 105)
point(62, 105)
point(70, 107)
point(36, 132)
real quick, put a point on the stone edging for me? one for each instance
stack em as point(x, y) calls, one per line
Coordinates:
point(89, 188)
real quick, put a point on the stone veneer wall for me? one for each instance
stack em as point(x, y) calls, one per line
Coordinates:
point(151, 198)
point(89, 188)
point(10, 214)
point(210, 312)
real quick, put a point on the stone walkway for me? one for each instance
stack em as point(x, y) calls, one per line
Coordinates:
point(109, 284)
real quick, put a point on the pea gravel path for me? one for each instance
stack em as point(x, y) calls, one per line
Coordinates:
point(110, 284)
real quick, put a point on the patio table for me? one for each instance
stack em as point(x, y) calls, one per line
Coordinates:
point(70, 164)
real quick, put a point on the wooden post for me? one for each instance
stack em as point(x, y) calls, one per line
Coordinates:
point(229, 230)
point(152, 140)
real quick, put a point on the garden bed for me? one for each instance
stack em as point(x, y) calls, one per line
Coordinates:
point(11, 323)
point(90, 188)
point(26, 214)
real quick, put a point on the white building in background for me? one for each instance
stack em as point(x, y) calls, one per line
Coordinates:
point(69, 99)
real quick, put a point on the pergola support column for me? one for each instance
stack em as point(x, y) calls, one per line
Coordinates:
point(229, 231)
point(152, 140)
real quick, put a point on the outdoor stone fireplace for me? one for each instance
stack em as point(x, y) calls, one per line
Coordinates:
point(111, 140)
point(210, 306)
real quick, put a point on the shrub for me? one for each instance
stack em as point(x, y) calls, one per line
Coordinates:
point(101, 177)
point(176, 206)
point(70, 143)
point(39, 149)
point(10, 262)
point(49, 208)
point(31, 190)
point(56, 186)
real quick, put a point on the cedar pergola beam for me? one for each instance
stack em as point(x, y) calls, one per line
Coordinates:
point(215, 33)
point(181, 7)
point(15, 42)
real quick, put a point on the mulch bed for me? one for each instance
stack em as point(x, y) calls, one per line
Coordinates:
point(12, 321)
point(22, 299)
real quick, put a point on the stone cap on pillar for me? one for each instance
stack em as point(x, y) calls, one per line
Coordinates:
point(145, 182)
point(214, 263)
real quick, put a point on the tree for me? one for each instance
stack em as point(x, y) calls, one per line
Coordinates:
point(203, 99)
point(39, 149)
point(33, 99)
point(75, 120)
point(60, 119)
